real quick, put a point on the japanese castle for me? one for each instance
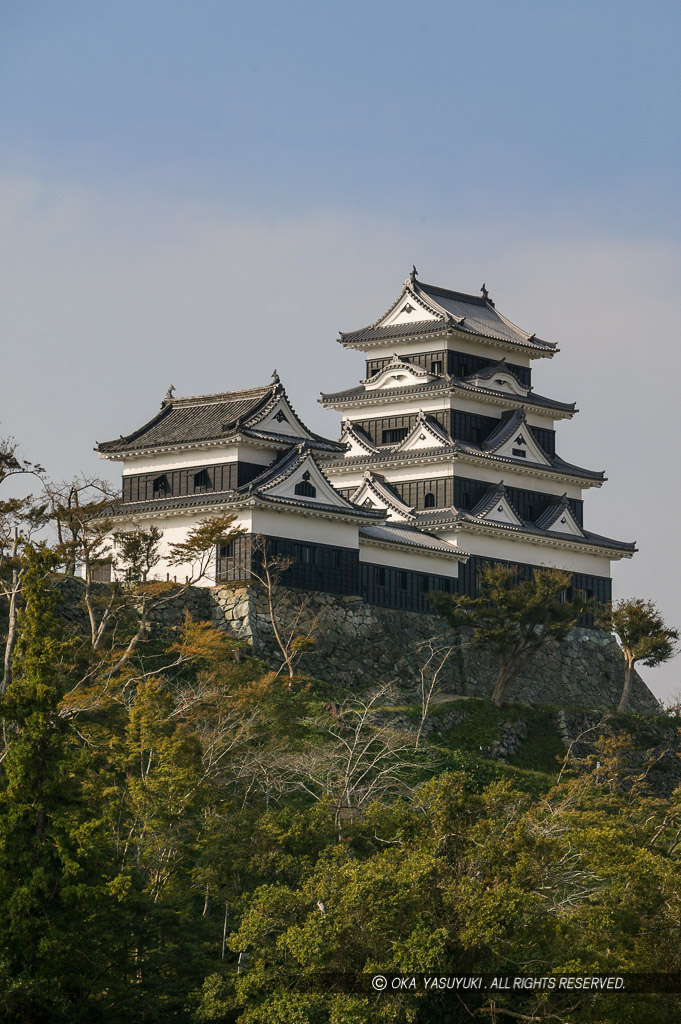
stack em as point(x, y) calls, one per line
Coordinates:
point(446, 461)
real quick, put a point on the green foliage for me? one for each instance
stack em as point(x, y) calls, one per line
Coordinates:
point(644, 637)
point(642, 632)
point(513, 619)
point(192, 798)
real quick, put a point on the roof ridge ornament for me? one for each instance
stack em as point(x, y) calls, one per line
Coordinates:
point(275, 377)
point(169, 393)
point(485, 295)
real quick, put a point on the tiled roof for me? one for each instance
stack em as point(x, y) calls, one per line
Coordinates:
point(490, 499)
point(395, 456)
point(409, 537)
point(282, 468)
point(491, 370)
point(209, 418)
point(470, 314)
point(481, 317)
point(588, 540)
point(444, 384)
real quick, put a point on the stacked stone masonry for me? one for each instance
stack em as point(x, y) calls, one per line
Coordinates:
point(360, 645)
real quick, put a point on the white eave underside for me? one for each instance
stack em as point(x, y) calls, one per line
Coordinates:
point(373, 462)
point(515, 533)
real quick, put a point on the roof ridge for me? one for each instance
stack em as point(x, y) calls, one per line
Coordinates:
point(219, 396)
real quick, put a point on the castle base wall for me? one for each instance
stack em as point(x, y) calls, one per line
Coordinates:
point(360, 645)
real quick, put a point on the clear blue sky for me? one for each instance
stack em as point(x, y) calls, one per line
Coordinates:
point(195, 193)
point(443, 106)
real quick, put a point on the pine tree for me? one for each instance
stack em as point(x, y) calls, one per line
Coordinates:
point(47, 879)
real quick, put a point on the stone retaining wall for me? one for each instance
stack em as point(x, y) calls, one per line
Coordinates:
point(360, 645)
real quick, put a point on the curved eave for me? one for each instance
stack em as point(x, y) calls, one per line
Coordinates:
point(336, 401)
point(233, 502)
point(368, 339)
point(456, 554)
point(517, 533)
point(265, 441)
point(390, 460)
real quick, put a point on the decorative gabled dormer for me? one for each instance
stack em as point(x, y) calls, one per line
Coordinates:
point(397, 374)
point(559, 518)
point(279, 417)
point(499, 377)
point(426, 433)
point(356, 441)
point(514, 440)
point(297, 477)
point(373, 492)
point(496, 507)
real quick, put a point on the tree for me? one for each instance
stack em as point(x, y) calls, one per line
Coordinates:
point(293, 632)
point(640, 629)
point(514, 619)
point(48, 835)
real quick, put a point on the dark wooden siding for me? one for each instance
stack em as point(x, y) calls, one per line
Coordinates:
point(225, 476)
point(400, 588)
point(528, 504)
point(375, 428)
point(460, 364)
point(597, 588)
point(413, 492)
point(237, 564)
point(466, 426)
point(546, 438)
point(423, 359)
point(334, 570)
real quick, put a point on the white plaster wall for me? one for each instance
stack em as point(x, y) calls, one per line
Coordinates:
point(437, 470)
point(523, 551)
point(307, 528)
point(197, 457)
point(383, 407)
point(461, 343)
point(403, 558)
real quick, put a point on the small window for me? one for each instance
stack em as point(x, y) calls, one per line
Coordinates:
point(425, 584)
point(530, 513)
point(402, 580)
point(337, 559)
point(379, 577)
point(465, 500)
point(202, 481)
point(307, 554)
point(477, 434)
point(429, 500)
point(305, 489)
point(394, 435)
point(161, 488)
point(519, 453)
point(226, 550)
point(436, 366)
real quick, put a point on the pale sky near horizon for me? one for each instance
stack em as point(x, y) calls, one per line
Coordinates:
point(197, 193)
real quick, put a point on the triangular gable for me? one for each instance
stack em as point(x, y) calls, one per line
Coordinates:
point(426, 433)
point(515, 440)
point(279, 418)
point(358, 443)
point(398, 373)
point(409, 309)
point(301, 479)
point(497, 508)
point(560, 519)
point(373, 493)
point(502, 380)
